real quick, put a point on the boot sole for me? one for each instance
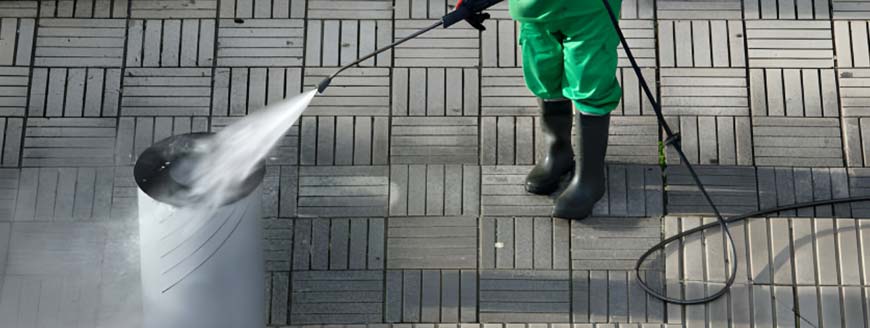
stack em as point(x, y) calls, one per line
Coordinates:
point(547, 189)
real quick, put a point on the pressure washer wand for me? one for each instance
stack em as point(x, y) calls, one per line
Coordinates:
point(470, 11)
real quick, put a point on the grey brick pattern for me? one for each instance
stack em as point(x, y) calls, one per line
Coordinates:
point(166, 92)
point(16, 40)
point(336, 297)
point(75, 92)
point(170, 43)
point(432, 242)
point(80, 42)
point(539, 243)
point(525, 295)
point(431, 296)
point(343, 191)
point(13, 90)
point(266, 42)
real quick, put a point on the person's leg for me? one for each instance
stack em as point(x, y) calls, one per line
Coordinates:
point(590, 73)
point(543, 71)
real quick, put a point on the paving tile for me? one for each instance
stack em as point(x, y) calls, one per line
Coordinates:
point(634, 9)
point(406, 9)
point(10, 139)
point(240, 91)
point(793, 92)
point(633, 139)
point(16, 40)
point(170, 43)
point(435, 92)
point(359, 91)
point(286, 151)
point(338, 191)
point(135, 134)
point(83, 8)
point(691, 9)
point(611, 296)
point(19, 8)
point(80, 42)
point(64, 194)
point(338, 244)
point(634, 101)
point(436, 296)
point(724, 140)
point(350, 9)
point(278, 243)
point(503, 92)
point(510, 140)
point(278, 295)
point(262, 9)
point(75, 92)
point(613, 243)
point(166, 92)
point(125, 195)
point(780, 186)
point(339, 42)
point(641, 37)
point(432, 242)
point(732, 188)
point(854, 88)
point(525, 296)
point(852, 43)
point(344, 140)
point(8, 192)
point(850, 9)
point(280, 189)
point(173, 9)
point(701, 43)
point(458, 46)
point(434, 190)
point(499, 46)
point(807, 141)
point(503, 193)
point(704, 91)
point(434, 140)
point(69, 141)
point(539, 243)
point(260, 42)
point(790, 44)
point(859, 185)
point(786, 9)
point(335, 297)
point(13, 90)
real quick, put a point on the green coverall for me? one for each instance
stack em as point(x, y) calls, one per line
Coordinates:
point(569, 51)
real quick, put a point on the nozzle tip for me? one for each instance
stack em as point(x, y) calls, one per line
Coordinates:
point(323, 85)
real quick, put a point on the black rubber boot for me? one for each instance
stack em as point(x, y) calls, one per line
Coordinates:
point(556, 118)
point(588, 184)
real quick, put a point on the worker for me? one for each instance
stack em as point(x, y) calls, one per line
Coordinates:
point(569, 63)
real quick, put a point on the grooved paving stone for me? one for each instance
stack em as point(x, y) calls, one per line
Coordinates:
point(790, 44)
point(853, 43)
point(793, 92)
point(436, 296)
point(435, 92)
point(173, 8)
point(262, 9)
point(170, 43)
point(64, 194)
point(856, 147)
point(278, 297)
point(702, 43)
point(779, 186)
point(240, 91)
point(424, 190)
point(338, 244)
point(732, 188)
point(524, 243)
point(613, 243)
point(632, 190)
point(69, 141)
point(405, 9)
point(615, 297)
point(340, 42)
point(285, 152)
point(11, 130)
point(634, 9)
point(280, 189)
point(786, 9)
point(855, 92)
point(80, 42)
point(19, 8)
point(634, 101)
point(641, 37)
point(797, 141)
point(350, 9)
point(358, 91)
point(503, 193)
point(503, 92)
point(704, 91)
point(525, 296)
point(166, 92)
point(75, 92)
point(499, 45)
point(850, 9)
point(125, 195)
point(135, 134)
point(83, 8)
point(434, 140)
point(333, 297)
point(336, 191)
point(859, 185)
point(694, 9)
point(13, 90)
point(432, 242)
point(344, 140)
point(8, 191)
point(16, 40)
point(278, 243)
point(724, 140)
point(633, 139)
point(260, 42)
point(458, 46)
point(510, 140)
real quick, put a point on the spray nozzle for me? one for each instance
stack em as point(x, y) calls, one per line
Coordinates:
point(323, 84)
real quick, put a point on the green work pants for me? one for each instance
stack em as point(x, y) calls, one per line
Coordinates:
point(573, 58)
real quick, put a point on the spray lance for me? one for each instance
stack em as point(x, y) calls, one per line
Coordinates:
point(470, 11)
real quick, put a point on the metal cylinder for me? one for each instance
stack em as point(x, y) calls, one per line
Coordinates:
point(200, 268)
